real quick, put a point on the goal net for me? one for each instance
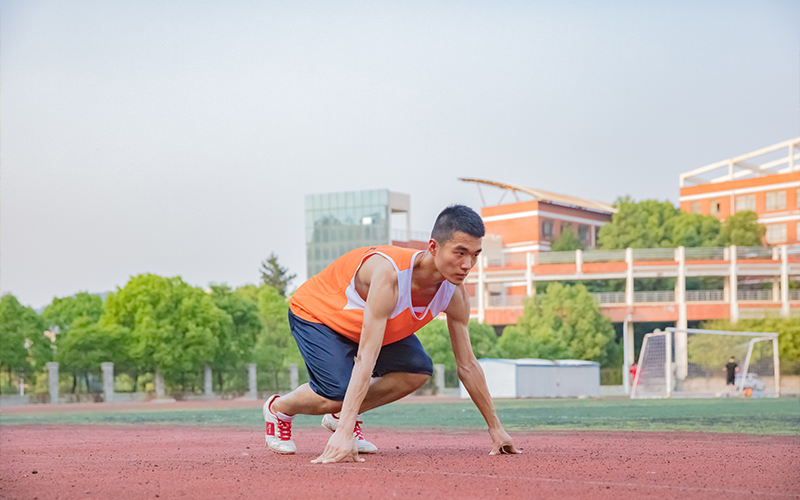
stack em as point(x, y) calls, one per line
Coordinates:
point(687, 363)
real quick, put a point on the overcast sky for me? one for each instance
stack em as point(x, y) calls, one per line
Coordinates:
point(180, 137)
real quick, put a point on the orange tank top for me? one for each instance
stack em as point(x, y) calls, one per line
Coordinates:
point(331, 298)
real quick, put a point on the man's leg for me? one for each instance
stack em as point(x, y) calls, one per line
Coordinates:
point(382, 390)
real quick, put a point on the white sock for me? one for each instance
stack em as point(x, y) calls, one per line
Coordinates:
point(284, 417)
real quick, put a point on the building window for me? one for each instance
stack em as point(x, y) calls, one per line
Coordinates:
point(695, 207)
point(776, 233)
point(583, 234)
point(797, 199)
point(746, 202)
point(776, 200)
point(547, 229)
point(715, 207)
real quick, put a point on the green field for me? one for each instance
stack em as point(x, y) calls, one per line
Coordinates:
point(751, 416)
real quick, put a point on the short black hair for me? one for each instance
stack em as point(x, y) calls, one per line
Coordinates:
point(457, 218)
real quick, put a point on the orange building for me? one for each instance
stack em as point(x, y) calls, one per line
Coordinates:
point(530, 225)
point(766, 181)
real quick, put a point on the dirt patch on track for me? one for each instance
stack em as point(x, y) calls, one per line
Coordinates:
point(219, 462)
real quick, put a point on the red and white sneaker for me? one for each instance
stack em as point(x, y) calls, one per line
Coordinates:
point(279, 430)
point(331, 422)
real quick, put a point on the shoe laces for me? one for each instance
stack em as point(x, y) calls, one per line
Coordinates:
point(357, 430)
point(284, 430)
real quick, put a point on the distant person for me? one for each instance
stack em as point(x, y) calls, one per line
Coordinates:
point(731, 369)
point(633, 369)
point(354, 324)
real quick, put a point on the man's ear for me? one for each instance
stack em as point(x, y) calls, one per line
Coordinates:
point(433, 247)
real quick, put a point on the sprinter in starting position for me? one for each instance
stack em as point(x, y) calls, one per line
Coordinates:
point(354, 324)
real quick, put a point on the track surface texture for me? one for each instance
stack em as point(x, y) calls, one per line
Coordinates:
point(156, 461)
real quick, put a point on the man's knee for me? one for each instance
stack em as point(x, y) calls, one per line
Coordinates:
point(417, 380)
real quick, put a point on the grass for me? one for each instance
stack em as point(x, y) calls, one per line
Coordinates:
point(748, 416)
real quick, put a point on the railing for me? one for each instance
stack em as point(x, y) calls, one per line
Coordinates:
point(656, 296)
point(653, 254)
point(604, 256)
point(704, 253)
point(641, 254)
point(754, 253)
point(610, 297)
point(754, 294)
point(402, 235)
point(506, 300)
point(556, 258)
point(705, 295)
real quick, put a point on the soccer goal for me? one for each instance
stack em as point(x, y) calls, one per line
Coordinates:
point(687, 363)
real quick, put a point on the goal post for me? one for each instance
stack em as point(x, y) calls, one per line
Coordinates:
point(698, 368)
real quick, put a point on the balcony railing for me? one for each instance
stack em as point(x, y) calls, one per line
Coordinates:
point(754, 295)
point(657, 296)
point(705, 295)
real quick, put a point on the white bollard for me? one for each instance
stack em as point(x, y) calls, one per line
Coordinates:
point(159, 383)
point(52, 381)
point(209, 382)
point(108, 381)
point(294, 378)
point(438, 376)
point(251, 380)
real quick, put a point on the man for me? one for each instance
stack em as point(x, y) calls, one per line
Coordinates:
point(354, 324)
point(731, 369)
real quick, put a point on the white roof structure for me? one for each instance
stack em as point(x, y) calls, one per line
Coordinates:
point(541, 195)
point(779, 158)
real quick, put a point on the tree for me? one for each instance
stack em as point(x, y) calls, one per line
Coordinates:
point(274, 275)
point(275, 347)
point(236, 342)
point(693, 230)
point(654, 224)
point(23, 345)
point(565, 322)
point(638, 225)
point(743, 229)
point(566, 241)
point(435, 338)
point(173, 326)
point(87, 344)
point(62, 312)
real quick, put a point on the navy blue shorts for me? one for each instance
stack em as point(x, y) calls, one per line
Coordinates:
point(330, 356)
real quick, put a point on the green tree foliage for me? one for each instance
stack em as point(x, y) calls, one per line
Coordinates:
point(174, 327)
point(435, 338)
point(638, 225)
point(275, 347)
point(655, 224)
point(563, 323)
point(742, 229)
point(87, 344)
point(23, 345)
point(275, 275)
point(788, 330)
point(566, 241)
point(693, 230)
point(62, 312)
point(236, 342)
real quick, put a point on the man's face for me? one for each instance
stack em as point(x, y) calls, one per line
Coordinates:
point(455, 258)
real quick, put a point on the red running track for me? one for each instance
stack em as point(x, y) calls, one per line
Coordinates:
point(76, 461)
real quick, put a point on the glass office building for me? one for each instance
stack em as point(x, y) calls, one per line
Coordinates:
point(339, 222)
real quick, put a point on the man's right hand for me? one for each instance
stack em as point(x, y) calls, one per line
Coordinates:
point(341, 447)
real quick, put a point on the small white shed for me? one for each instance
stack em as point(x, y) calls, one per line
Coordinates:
point(539, 378)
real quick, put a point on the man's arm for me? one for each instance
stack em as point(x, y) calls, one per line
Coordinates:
point(471, 373)
point(381, 300)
